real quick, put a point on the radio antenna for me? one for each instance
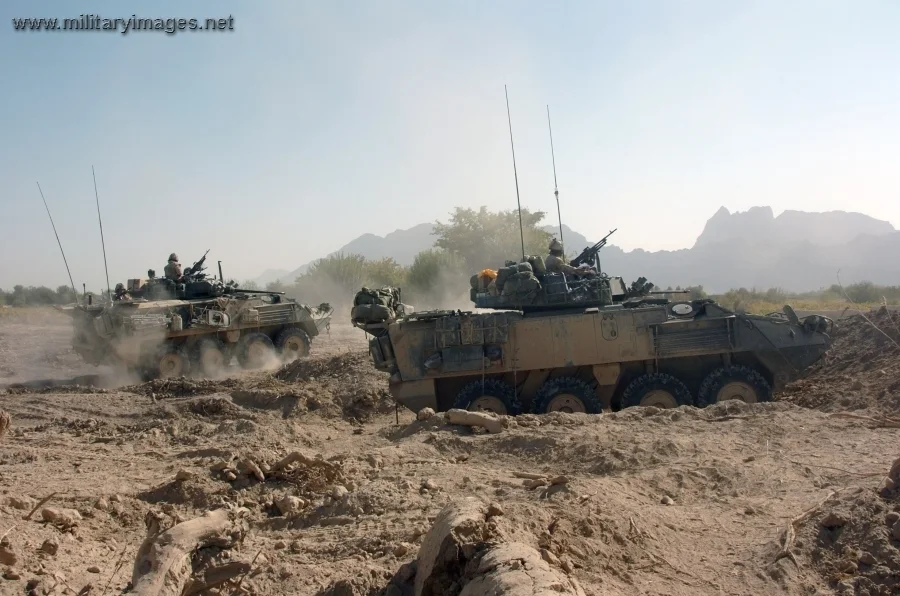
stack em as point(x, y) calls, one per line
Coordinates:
point(74, 291)
point(102, 242)
point(515, 173)
point(555, 187)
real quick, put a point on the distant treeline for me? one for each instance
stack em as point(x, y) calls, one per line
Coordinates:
point(471, 241)
point(37, 296)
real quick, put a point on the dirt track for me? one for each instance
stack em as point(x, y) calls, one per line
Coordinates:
point(681, 501)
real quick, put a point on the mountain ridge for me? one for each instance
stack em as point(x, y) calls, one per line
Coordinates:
point(796, 251)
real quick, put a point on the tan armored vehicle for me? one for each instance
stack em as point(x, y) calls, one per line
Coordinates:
point(582, 345)
point(170, 328)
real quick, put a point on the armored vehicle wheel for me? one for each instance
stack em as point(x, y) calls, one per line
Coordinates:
point(172, 362)
point(658, 390)
point(255, 350)
point(210, 357)
point(293, 343)
point(489, 395)
point(566, 394)
point(734, 382)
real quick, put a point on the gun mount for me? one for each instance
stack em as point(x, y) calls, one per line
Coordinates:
point(590, 255)
point(171, 328)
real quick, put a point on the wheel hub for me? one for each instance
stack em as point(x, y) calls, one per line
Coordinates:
point(294, 347)
point(212, 359)
point(170, 365)
point(488, 403)
point(566, 402)
point(659, 399)
point(737, 390)
point(257, 353)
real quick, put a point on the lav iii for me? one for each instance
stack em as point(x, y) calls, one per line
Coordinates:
point(195, 324)
point(585, 343)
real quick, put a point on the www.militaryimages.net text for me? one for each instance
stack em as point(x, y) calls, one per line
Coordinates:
point(94, 22)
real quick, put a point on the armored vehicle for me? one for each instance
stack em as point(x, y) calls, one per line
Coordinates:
point(169, 328)
point(585, 344)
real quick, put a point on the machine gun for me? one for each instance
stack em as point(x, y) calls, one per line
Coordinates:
point(589, 255)
point(197, 267)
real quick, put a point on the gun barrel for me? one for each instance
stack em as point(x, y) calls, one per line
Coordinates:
point(257, 291)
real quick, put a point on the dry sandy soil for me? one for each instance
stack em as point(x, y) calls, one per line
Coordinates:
point(677, 502)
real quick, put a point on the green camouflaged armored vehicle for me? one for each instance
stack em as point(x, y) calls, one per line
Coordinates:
point(582, 343)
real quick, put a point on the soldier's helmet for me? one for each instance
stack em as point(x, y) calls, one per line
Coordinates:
point(173, 257)
point(555, 245)
point(120, 288)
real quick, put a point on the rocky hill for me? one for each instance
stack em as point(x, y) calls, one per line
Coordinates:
point(796, 251)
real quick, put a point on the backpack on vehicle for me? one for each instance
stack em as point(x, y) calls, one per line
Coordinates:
point(375, 306)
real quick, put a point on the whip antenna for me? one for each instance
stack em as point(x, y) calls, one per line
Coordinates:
point(555, 188)
point(515, 173)
point(74, 291)
point(102, 243)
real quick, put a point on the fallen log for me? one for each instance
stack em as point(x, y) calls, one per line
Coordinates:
point(464, 548)
point(459, 527)
point(467, 418)
point(516, 569)
point(162, 565)
point(216, 576)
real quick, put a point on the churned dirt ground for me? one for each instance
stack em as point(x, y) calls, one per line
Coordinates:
point(791, 497)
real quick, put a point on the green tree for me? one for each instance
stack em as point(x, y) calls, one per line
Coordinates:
point(384, 272)
point(345, 272)
point(65, 295)
point(436, 279)
point(697, 292)
point(431, 267)
point(864, 291)
point(487, 239)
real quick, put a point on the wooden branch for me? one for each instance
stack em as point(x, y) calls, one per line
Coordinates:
point(467, 418)
point(5, 422)
point(39, 505)
point(216, 576)
point(162, 566)
point(790, 533)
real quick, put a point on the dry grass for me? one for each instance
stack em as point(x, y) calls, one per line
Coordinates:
point(764, 307)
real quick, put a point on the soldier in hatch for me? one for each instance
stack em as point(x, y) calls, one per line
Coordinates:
point(555, 262)
point(173, 269)
point(121, 294)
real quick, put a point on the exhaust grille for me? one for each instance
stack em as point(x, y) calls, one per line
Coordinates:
point(277, 314)
point(684, 341)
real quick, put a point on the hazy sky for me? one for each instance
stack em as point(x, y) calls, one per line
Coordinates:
point(314, 122)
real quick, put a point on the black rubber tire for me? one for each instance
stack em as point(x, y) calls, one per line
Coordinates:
point(553, 387)
point(289, 333)
point(491, 387)
point(644, 384)
point(244, 344)
point(717, 379)
point(210, 343)
point(167, 350)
